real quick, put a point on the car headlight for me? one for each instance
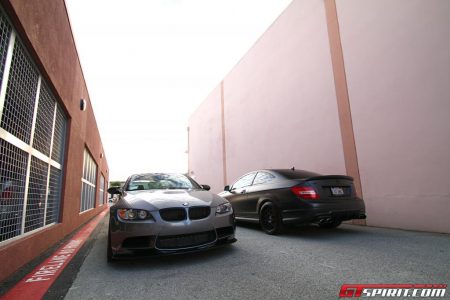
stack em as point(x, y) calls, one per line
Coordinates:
point(223, 208)
point(133, 214)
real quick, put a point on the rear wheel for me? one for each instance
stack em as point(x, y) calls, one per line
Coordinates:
point(270, 219)
point(331, 224)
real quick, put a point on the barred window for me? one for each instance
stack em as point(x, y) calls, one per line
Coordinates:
point(88, 182)
point(54, 196)
point(44, 121)
point(13, 170)
point(101, 189)
point(32, 138)
point(21, 90)
point(5, 34)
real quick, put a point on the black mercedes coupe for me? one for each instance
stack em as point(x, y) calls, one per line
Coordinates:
point(277, 197)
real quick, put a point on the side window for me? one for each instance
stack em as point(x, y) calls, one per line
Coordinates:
point(263, 177)
point(244, 181)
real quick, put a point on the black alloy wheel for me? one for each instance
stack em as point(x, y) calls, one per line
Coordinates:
point(270, 219)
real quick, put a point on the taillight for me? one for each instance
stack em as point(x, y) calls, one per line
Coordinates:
point(305, 192)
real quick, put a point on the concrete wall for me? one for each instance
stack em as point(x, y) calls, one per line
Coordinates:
point(347, 86)
point(44, 27)
point(397, 60)
point(205, 140)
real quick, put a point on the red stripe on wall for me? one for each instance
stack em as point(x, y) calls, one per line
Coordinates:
point(36, 284)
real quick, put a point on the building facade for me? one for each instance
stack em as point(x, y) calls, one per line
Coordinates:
point(341, 87)
point(53, 170)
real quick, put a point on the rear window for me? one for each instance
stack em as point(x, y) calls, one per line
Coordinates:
point(297, 174)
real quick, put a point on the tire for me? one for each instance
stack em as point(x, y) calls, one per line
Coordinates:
point(332, 224)
point(270, 219)
point(109, 252)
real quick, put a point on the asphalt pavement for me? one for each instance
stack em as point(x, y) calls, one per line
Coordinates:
point(304, 263)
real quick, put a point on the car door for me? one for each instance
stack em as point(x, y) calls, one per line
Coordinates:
point(239, 194)
point(256, 191)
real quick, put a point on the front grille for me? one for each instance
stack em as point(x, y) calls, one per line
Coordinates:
point(185, 240)
point(199, 212)
point(138, 242)
point(224, 231)
point(173, 214)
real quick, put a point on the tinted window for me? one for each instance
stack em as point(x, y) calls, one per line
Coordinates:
point(160, 181)
point(244, 181)
point(297, 174)
point(263, 177)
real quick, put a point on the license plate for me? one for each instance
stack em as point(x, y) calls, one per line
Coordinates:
point(337, 191)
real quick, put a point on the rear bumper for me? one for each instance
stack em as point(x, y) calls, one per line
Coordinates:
point(322, 213)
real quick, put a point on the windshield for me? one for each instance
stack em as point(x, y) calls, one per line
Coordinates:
point(158, 181)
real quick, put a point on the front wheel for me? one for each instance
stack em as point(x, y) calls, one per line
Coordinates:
point(270, 219)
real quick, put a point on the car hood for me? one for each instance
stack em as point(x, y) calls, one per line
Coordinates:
point(159, 199)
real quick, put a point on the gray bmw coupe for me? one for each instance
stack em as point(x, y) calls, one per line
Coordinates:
point(161, 213)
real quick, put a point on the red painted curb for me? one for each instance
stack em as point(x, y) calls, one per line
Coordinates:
point(36, 283)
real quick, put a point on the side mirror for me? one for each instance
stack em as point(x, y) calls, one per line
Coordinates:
point(205, 187)
point(114, 190)
point(226, 188)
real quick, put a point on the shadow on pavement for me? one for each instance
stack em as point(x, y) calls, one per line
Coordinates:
point(312, 232)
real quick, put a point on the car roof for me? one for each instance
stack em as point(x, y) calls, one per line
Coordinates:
point(294, 173)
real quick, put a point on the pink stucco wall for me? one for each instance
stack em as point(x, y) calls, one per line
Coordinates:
point(280, 106)
point(205, 143)
point(397, 60)
point(280, 103)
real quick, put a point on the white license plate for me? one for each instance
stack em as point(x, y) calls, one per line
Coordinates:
point(337, 191)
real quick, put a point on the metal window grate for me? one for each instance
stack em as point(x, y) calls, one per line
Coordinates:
point(30, 181)
point(37, 191)
point(13, 169)
point(44, 121)
point(5, 34)
point(87, 197)
point(90, 168)
point(20, 98)
point(54, 196)
point(101, 194)
point(88, 182)
point(59, 136)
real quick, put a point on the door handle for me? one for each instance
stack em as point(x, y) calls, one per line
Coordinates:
point(243, 192)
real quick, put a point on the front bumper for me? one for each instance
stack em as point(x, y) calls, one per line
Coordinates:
point(161, 237)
